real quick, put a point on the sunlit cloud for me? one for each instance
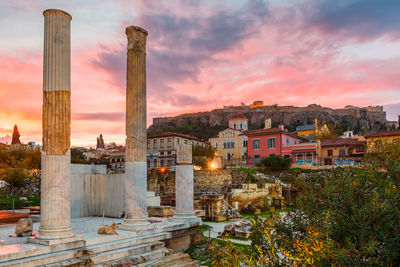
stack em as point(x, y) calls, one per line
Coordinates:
point(201, 56)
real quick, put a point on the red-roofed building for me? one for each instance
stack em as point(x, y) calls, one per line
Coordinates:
point(161, 148)
point(117, 158)
point(341, 152)
point(379, 138)
point(267, 142)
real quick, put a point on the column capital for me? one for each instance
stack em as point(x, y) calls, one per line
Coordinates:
point(57, 11)
point(136, 38)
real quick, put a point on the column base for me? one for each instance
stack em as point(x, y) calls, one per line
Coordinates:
point(139, 224)
point(49, 240)
point(186, 217)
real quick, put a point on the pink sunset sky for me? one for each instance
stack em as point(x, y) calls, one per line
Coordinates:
point(202, 55)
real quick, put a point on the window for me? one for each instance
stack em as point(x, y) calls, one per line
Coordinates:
point(228, 144)
point(177, 141)
point(256, 144)
point(342, 152)
point(228, 156)
point(216, 145)
point(244, 155)
point(162, 143)
point(148, 144)
point(330, 152)
point(155, 143)
point(299, 158)
point(287, 141)
point(241, 125)
point(169, 142)
point(360, 148)
point(234, 125)
point(185, 142)
point(295, 142)
point(309, 158)
point(244, 143)
point(271, 143)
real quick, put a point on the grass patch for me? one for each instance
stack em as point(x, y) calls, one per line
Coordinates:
point(264, 214)
point(6, 202)
point(204, 227)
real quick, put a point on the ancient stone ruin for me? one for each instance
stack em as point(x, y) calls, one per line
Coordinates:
point(137, 239)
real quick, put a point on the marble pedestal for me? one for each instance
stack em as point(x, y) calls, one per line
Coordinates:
point(136, 217)
point(184, 193)
point(55, 226)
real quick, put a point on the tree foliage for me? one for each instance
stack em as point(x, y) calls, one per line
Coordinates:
point(276, 162)
point(202, 155)
point(343, 217)
point(15, 136)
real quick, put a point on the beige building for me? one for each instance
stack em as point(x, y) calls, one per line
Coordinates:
point(161, 148)
point(231, 144)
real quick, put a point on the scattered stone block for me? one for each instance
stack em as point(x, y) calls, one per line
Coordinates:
point(240, 228)
point(220, 218)
point(160, 211)
point(24, 227)
point(200, 213)
point(196, 237)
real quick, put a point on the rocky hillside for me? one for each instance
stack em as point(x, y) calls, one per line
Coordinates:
point(206, 124)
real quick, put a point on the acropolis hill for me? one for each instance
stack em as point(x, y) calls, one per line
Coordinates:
point(206, 124)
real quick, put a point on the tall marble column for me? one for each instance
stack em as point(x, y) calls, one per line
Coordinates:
point(56, 157)
point(184, 184)
point(136, 135)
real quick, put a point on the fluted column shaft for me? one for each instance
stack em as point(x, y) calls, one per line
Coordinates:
point(136, 135)
point(56, 126)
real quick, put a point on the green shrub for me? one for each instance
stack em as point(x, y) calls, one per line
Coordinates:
point(276, 163)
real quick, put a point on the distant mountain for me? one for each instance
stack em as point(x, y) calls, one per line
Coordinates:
point(6, 139)
point(207, 124)
point(392, 111)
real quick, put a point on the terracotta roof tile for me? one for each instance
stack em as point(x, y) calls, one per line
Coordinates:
point(342, 142)
point(385, 133)
point(168, 134)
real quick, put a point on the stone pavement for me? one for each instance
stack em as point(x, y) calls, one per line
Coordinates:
point(219, 228)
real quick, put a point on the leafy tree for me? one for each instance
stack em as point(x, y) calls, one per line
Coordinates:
point(276, 162)
point(15, 136)
point(15, 178)
point(344, 217)
point(77, 155)
point(334, 131)
point(202, 155)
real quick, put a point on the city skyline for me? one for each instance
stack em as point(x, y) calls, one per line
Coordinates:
point(285, 52)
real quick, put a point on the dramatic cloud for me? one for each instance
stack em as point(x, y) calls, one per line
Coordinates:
point(366, 19)
point(202, 55)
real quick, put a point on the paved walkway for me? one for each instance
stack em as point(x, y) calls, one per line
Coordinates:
point(218, 228)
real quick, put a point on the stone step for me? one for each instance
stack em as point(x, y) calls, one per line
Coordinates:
point(178, 259)
point(40, 260)
point(147, 251)
point(20, 251)
point(102, 249)
point(143, 259)
point(123, 242)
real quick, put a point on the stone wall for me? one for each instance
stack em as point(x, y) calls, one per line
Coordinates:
point(252, 194)
point(212, 181)
point(204, 181)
